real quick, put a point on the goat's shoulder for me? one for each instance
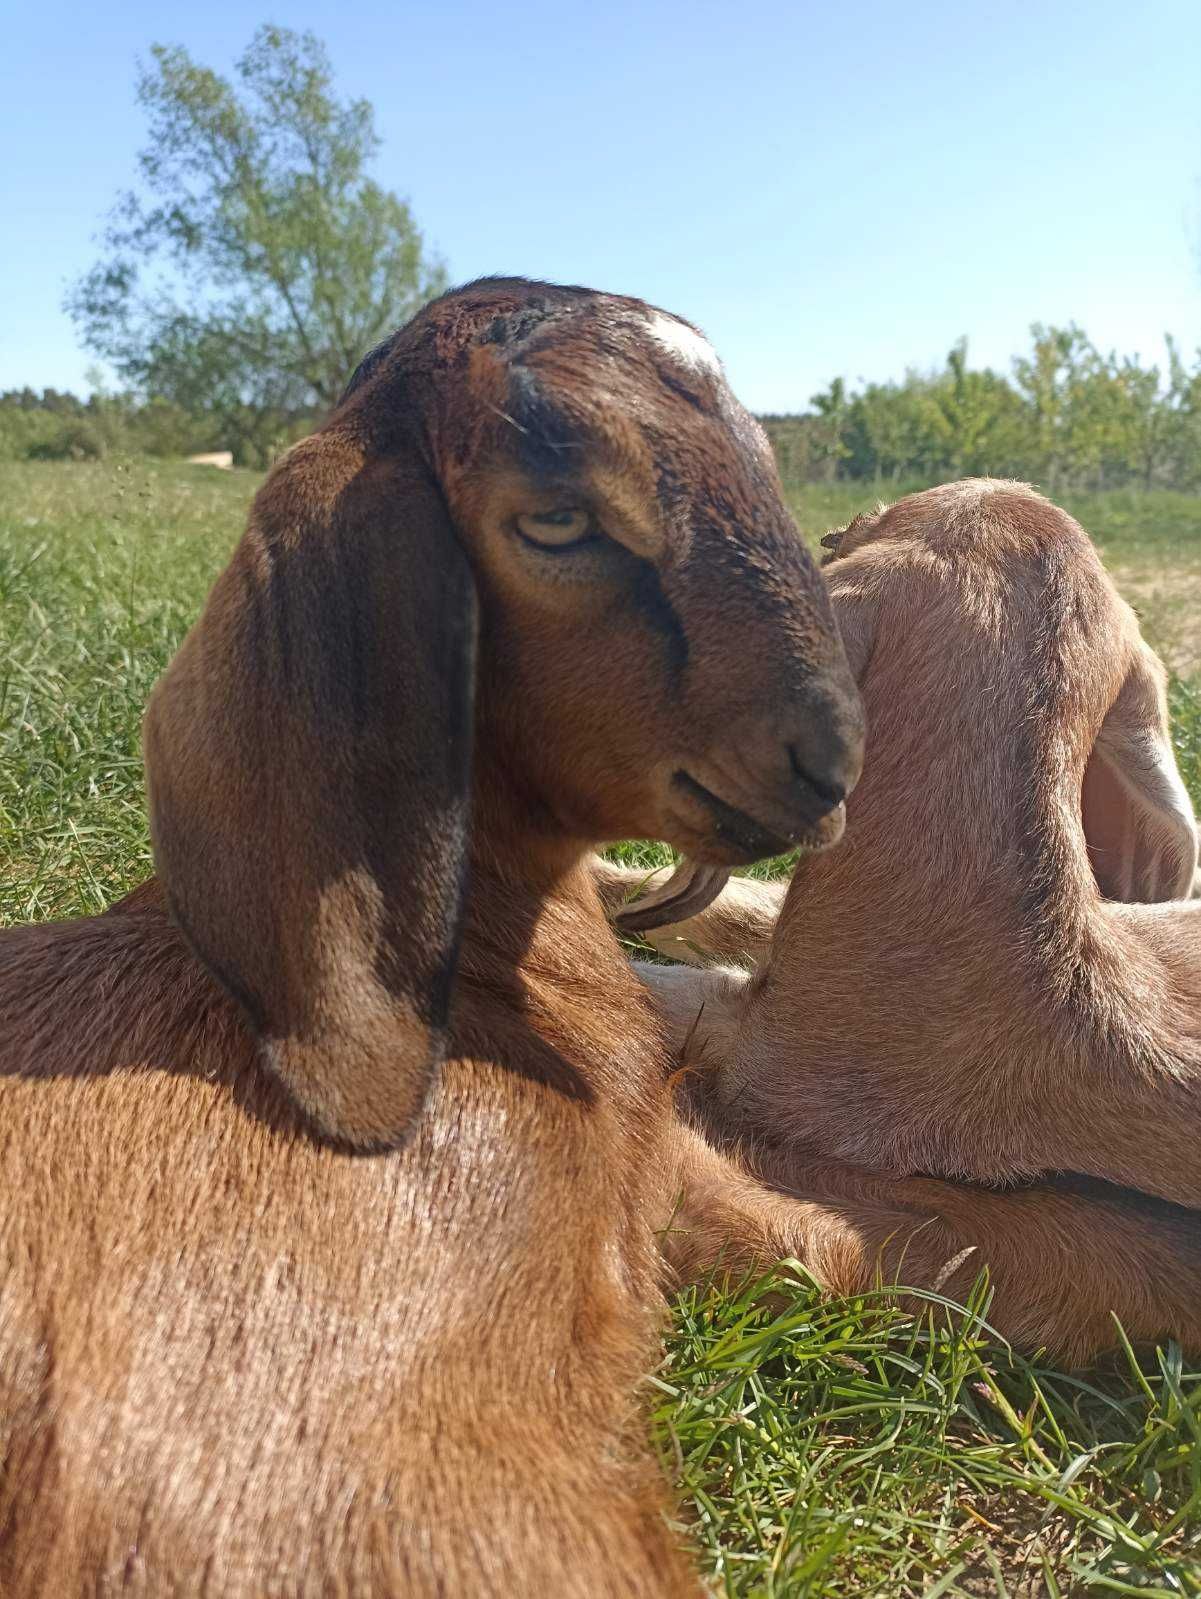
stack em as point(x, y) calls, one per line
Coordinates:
point(190, 1273)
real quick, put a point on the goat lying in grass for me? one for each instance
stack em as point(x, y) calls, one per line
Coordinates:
point(995, 977)
point(334, 1167)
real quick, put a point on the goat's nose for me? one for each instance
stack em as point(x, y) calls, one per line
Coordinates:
point(831, 788)
point(824, 752)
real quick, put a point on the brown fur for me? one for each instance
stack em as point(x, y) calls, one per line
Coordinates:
point(332, 1167)
point(1062, 1258)
point(239, 1356)
point(951, 992)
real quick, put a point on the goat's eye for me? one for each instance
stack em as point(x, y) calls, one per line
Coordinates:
point(557, 530)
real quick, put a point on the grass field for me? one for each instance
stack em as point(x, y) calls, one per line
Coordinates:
point(823, 1448)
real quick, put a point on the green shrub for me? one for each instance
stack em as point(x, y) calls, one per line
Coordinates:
point(67, 439)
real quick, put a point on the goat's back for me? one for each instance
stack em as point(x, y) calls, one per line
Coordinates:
point(234, 1360)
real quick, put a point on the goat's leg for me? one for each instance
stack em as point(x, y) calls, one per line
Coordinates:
point(1031, 1113)
point(736, 926)
point(1114, 1095)
point(1060, 1264)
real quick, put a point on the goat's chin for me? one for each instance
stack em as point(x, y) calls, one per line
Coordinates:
point(824, 833)
point(714, 847)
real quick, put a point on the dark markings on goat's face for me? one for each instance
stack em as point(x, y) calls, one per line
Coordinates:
point(656, 643)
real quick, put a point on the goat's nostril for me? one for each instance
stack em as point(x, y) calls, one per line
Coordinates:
point(832, 792)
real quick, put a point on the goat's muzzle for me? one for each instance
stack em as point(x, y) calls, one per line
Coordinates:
point(778, 784)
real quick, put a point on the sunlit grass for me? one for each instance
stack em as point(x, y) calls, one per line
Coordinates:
point(842, 1447)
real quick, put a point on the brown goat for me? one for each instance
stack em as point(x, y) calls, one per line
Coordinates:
point(333, 1167)
point(963, 988)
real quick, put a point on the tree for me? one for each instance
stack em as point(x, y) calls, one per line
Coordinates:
point(257, 263)
point(982, 418)
point(1048, 380)
point(830, 407)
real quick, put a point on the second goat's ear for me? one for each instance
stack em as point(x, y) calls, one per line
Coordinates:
point(308, 756)
point(855, 612)
point(1138, 819)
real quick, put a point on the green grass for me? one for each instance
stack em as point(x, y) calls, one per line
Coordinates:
point(839, 1447)
point(101, 570)
point(824, 1448)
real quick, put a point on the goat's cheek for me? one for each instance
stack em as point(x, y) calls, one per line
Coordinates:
point(591, 697)
point(616, 730)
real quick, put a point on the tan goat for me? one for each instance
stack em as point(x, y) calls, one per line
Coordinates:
point(332, 1170)
point(963, 988)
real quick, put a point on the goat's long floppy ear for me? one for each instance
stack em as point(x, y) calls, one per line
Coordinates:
point(308, 758)
point(1138, 819)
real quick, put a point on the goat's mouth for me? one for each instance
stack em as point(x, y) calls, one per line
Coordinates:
point(734, 835)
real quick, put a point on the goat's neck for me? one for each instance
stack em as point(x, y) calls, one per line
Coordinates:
point(954, 803)
point(534, 921)
point(960, 836)
point(544, 915)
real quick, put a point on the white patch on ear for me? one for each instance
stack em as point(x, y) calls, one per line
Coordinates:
point(689, 347)
point(1165, 783)
point(1159, 831)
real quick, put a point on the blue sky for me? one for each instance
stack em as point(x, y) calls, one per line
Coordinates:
point(826, 189)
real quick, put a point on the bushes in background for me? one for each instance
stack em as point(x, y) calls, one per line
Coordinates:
point(1066, 417)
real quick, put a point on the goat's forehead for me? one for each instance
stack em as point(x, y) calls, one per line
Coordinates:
point(680, 342)
point(589, 372)
point(636, 361)
point(628, 334)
